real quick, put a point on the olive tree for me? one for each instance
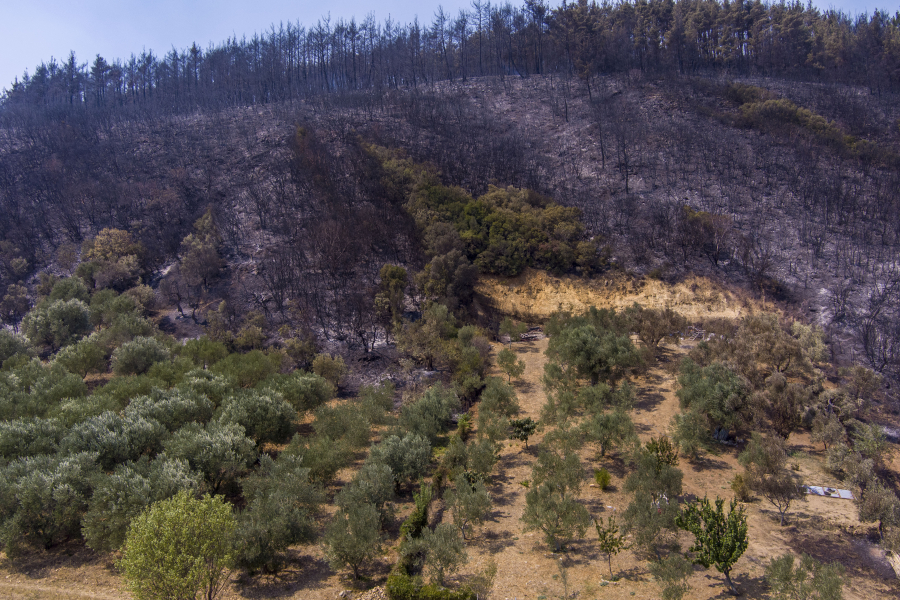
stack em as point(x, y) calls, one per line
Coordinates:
point(178, 548)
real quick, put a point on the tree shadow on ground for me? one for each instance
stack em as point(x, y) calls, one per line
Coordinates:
point(38, 564)
point(523, 387)
point(749, 587)
point(501, 498)
point(494, 541)
point(648, 400)
point(708, 463)
point(301, 573)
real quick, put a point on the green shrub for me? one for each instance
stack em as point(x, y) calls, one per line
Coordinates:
point(247, 370)
point(124, 494)
point(400, 586)
point(417, 521)
point(43, 498)
point(11, 344)
point(603, 478)
point(221, 452)
point(114, 438)
point(331, 368)
point(741, 488)
point(137, 356)
point(809, 580)
point(265, 416)
point(179, 547)
point(57, 323)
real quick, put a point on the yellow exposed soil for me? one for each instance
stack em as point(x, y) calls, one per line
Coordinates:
point(534, 295)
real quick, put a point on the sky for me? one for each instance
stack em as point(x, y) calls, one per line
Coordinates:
point(33, 31)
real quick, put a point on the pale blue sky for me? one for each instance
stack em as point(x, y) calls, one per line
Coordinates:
point(32, 31)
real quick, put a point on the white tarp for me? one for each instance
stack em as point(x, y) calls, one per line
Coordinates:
point(828, 492)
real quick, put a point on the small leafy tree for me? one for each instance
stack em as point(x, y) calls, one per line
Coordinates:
point(444, 550)
point(611, 429)
point(179, 547)
point(651, 514)
point(555, 513)
point(137, 356)
point(828, 430)
point(808, 580)
point(506, 360)
point(719, 539)
point(353, 537)
point(764, 461)
point(671, 573)
point(331, 368)
point(468, 503)
point(522, 429)
point(281, 506)
point(611, 540)
point(550, 503)
point(407, 457)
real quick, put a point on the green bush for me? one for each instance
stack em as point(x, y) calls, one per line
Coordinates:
point(57, 323)
point(123, 494)
point(809, 580)
point(603, 478)
point(281, 507)
point(265, 416)
point(43, 498)
point(21, 438)
point(247, 370)
point(400, 586)
point(137, 356)
point(114, 438)
point(179, 547)
point(221, 452)
point(11, 344)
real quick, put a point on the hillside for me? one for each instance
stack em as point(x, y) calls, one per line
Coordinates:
point(334, 286)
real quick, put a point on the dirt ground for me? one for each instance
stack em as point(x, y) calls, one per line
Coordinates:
point(526, 569)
